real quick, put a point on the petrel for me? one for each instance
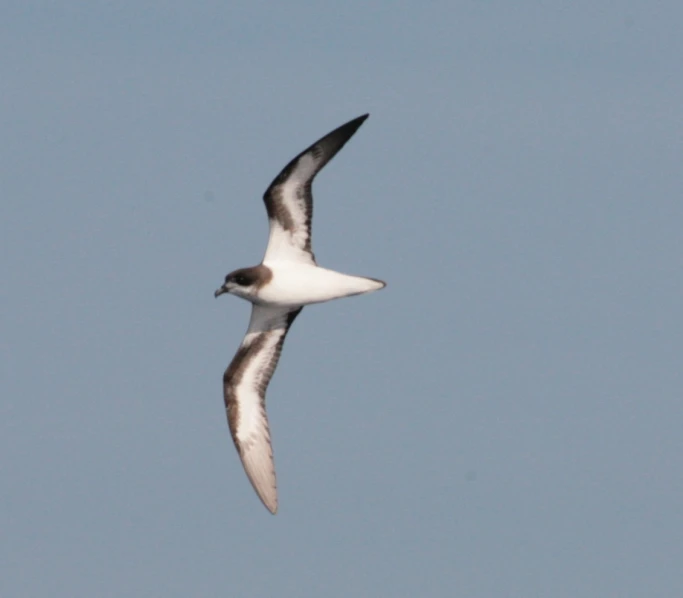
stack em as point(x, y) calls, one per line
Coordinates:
point(287, 279)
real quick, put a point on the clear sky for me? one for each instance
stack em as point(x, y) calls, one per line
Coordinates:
point(505, 419)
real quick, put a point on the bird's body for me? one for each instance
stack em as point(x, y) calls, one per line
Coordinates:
point(278, 288)
point(293, 284)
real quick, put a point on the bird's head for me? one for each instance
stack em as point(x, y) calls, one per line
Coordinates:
point(244, 282)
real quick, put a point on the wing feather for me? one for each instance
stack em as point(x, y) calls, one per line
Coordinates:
point(244, 390)
point(289, 200)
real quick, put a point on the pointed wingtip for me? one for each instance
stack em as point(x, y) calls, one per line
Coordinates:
point(269, 501)
point(265, 488)
point(358, 121)
point(349, 128)
point(268, 496)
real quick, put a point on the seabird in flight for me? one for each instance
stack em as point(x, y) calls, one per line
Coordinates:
point(287, 279)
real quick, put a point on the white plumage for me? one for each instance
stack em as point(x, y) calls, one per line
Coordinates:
point(286, 280)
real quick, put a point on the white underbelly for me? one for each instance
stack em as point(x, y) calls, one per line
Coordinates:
point(299, 284)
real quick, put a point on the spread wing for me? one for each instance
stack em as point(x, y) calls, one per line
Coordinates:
point(244, 390)
point(289, 201)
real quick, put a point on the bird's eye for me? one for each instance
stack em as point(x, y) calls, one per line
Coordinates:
point(241, 280)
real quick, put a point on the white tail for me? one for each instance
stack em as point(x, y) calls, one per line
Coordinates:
point(297, 284)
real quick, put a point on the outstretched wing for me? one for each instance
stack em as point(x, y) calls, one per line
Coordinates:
point(244, 390)
point(289, 201)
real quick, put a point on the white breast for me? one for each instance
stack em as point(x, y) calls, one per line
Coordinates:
point(300, 284)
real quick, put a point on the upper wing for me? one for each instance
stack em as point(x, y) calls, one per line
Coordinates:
point(244, 390)
point(289, 201)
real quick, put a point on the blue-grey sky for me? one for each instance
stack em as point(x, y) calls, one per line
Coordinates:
point(505, 419)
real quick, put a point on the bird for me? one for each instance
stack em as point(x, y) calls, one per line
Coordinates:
point(287, 279)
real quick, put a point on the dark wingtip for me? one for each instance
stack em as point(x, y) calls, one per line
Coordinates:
point(328, 145)
point(355, 123)
point(344, 132)
point(337, 139)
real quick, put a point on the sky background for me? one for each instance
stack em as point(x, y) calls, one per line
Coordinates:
point(505, 419)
